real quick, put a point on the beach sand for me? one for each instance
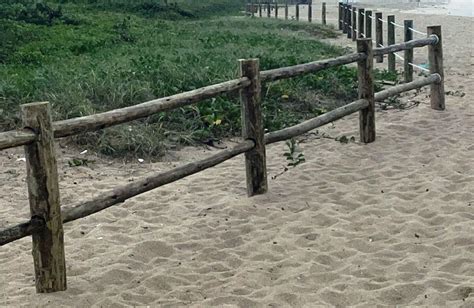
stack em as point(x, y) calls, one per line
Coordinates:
point(387, 223)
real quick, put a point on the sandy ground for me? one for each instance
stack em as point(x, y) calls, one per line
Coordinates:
point(389, 223)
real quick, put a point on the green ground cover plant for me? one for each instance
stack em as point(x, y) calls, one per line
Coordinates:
point(89, 56)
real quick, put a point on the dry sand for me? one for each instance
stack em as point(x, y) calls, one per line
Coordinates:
point(389, 223)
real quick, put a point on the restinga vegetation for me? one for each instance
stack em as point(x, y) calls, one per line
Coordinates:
point(91, 56)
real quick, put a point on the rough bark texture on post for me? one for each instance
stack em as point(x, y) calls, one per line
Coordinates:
point(323, 13)
point(366, 91)
point(252, 128)
point(354, 23)
point(349, 21)
point(286, 10)
point(344, 19)
point(310, 10)
point(297, 11)
point(368, 24)
point(409, 52)
point(360, 24)
point(435, 56)
point(43, 192)
point(391, 41)
point(379, 34)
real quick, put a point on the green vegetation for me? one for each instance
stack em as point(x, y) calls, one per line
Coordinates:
point(90, 56)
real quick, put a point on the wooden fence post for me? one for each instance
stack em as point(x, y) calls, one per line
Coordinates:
point(354, 23)
point(276, 10)
point(286, 9)
point(344, 19)
point(409, 52)
point(310, 10)
point(366, 91)
point(391, 41)
point(297, 11)
point(323, 13)
point(252, 8)
point(268, 9)
point(368, 24)
point(340, 22)
point(435, 56)
point(360, 25)
point(252, 128)
point(259, 9)
point(379, 34)
point(43, 192)
point(349, 21)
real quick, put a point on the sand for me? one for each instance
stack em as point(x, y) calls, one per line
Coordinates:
point(389, 223)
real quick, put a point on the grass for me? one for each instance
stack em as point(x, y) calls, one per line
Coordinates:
point(97, 55)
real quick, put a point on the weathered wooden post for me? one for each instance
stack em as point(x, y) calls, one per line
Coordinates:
point(366, 91)
point(310, 10)
point(354, 23)
point(349, 21)
point(323, 13)
point(268, 9)
point(43, 192)
point(409, 52)
point(252, 8)
point(276, 9)
point(379, 34)
point(297, 11)
point(286, 9)
point(252, 128)
point(344, 19)
point(391, 41)
point(360, 25)
point(435, 56)
point(259, 9)
point(368, 24)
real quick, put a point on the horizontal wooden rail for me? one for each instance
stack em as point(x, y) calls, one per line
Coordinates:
point(16, 138)
point(432, 40)
point(124, 192)
point(118, 116)
point(311, 67)
point(313, 123)
point(416, 84)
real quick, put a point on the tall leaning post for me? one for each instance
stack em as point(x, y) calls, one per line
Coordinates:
point(379, 34)
point(43, 192)
point(349, 21)
point(435, 57)
point(366, 91)
point(252, 128)
point(354, 23)
point(310, 10)
point(368, 24)
point(391, 41)
point(360, 24)
point(323, 13)
point(297, 11)
point(408, 25)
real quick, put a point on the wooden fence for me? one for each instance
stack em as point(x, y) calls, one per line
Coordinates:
point(47, 215)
